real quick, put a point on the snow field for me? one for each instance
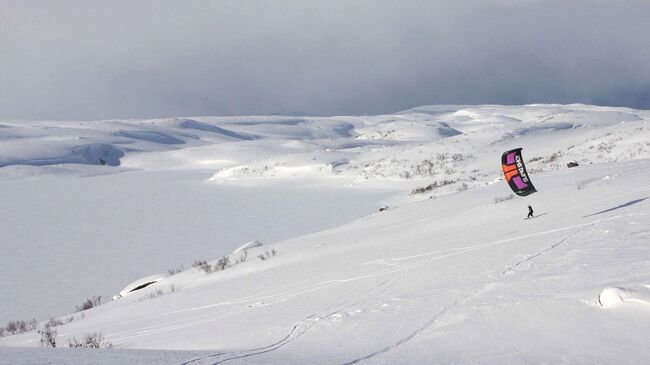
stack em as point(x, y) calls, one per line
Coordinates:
point(460, 277)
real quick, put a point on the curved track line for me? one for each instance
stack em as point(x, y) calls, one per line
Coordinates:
point(530, 257)
point(405, 339)
point(312, 320)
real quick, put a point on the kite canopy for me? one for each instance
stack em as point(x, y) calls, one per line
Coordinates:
point(515, 172)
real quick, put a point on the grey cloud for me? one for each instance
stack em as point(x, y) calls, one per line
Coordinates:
point(91, 60)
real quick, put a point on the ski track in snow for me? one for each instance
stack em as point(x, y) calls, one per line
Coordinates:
point(489, 285)
point(461, 250)
point(254, 300)
point(531, 257)
point(306, 324)
point(294, 333)
point(426, 219)
point(310, 321)
point(485, 288)
point(282, 296)
point(333, 142)
point(405, 339)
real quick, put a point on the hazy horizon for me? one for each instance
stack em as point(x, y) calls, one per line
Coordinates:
point(88, 61)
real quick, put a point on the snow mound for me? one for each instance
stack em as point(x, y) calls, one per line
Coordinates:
point(99, 154)
point(296, 128)
point(205, 127)
point(60, 152)
point(433, 109)
point(150, 136)
point(546, 127)
point(410, 131)
point(140, 284)
point(247, 246)
point(613, 297)
point(416, 265)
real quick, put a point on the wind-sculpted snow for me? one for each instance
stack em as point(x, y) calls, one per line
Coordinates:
point(450, 278)
point(56, 154)
point(362, 148)
point(150, 136)
point(292, 128)
point(193, 124)
point(401, 130)
point(445, 273)
point(99, 154)
point(546, 128)
point(611, 298)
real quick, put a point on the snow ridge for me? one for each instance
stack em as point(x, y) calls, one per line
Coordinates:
point(451, 271)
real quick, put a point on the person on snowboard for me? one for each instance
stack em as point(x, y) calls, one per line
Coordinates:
point(530, 212)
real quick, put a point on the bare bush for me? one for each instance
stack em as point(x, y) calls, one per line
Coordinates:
point(16, 327)
point(175, 271)
point(90, 303)
point(91, 341)
point(152, 295)
point(48, 334)
point(434, 185)
point(267, 254)
point(203, 265)
point(554, 156)
point(198, 263)
point(242, 258)
point(160, 292)
point(223, 263)
point(424, 168)
point(501, 199)
point(32, 325)
point(55, 322)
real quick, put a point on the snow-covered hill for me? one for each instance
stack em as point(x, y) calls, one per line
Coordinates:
point(450, 273)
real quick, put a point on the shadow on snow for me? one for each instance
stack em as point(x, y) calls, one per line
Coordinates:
point(631, 202)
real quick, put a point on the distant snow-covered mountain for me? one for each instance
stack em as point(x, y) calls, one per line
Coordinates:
point(450, 272)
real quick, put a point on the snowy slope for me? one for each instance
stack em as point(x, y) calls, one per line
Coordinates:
point(460, 277)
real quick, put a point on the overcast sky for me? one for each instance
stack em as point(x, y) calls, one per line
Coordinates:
point(117, 59)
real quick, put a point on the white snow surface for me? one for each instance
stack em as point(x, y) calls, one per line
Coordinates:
point(453, 274)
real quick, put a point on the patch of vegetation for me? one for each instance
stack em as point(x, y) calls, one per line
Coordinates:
point(501, 199)
point(90, 303)
point(267, 255)
point(203, 265)
point(18, 327)
point(430, 187)
point(242, 257)
point(175, 271)
point(160, 292)
point(49, 332)
point(91, 341)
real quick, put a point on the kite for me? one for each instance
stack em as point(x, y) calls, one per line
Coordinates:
point(515, 172)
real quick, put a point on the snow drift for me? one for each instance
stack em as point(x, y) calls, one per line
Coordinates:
point(450, 272)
